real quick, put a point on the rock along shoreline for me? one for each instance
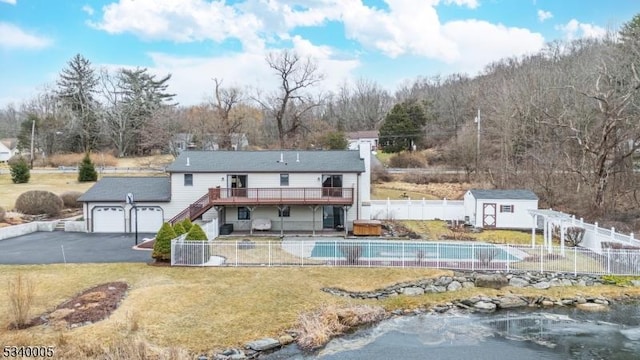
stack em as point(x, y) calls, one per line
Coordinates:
point(476, 303)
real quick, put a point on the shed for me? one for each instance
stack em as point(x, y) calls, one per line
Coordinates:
point(499, 209)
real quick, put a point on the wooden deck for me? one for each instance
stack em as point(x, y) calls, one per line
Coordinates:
point(281, 196)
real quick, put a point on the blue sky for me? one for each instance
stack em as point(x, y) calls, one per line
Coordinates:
point(198, 40)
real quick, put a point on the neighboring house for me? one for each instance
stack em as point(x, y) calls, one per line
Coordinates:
point(185, 141)
point(291, 190)
point(8, 148)
point(359, 137)
point(501, 209)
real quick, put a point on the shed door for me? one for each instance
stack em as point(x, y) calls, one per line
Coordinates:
point(489, 215)
point(149, 219)
point(108, 219)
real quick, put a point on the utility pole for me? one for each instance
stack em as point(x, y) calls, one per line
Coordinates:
point(477, 121)
point(33, 131)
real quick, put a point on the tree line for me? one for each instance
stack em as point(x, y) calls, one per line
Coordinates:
point(562, 121)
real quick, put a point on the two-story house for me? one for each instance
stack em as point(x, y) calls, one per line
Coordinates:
point(291, 190)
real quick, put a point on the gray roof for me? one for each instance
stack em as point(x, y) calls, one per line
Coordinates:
point(339, 161)
point(515, 194)
point(150, 188)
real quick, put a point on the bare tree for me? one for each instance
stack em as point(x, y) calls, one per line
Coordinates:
point(227, 120)
point(291, 105)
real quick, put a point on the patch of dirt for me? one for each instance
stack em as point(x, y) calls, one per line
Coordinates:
point(90, 306)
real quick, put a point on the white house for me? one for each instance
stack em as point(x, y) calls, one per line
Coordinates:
point(8, 148)
point(289, 190)
point(356, 138)
point(501, 209)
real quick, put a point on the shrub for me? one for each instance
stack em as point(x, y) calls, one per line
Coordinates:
point(86, 171)
point(162, 245)
point(179, 229)
point(408, 160)
point(574, 236)
point(196, 233)
point(20, 173)
point(20, 291)
point(36, 202)
point(2, 213)
point(70, 199)
point(351, 252)
point(186, 224)
point(380, 175)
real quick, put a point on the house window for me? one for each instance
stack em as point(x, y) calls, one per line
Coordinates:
point(244, 213)
point(284, 179)
point(506, 208)
point(284, 211)
point(188, 179)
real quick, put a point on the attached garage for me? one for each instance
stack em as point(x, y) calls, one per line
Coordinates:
point(108, 219)
point(149, 218)
point(107, 206)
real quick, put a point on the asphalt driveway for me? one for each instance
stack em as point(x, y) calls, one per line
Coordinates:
point(71, 247)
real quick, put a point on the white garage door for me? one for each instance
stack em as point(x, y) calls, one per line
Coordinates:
point(150, 219)
point(108, 219)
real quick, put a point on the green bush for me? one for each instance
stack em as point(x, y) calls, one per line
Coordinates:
point(179, 229)
point(87, 171)
point(162, 245)
point(36, 202)
point(196, 233)
point(186, 224)
point(70, 199)
point(20, 173)
point(2, 213)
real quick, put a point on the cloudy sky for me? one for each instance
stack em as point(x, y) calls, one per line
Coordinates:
point(197, 40)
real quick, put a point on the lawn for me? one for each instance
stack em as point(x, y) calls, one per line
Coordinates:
point(57, 183)
point(435, 229)
point(201, 309)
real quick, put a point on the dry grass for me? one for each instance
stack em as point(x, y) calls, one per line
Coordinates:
point(99, 159)
point(155, 161)
point(20, 291)
point(451, 191)
point(436, 229)
point(318, 327)
point(384, 157)
point(384, 193)
point(569, 263)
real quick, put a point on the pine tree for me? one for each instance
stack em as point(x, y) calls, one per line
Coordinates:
point(196, 233)
point(87, 171)
point(179, 229)
point(186, 224)
point(162, 245)
point(20, 173)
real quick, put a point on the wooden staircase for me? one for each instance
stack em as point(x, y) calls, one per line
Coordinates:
point(194, 210)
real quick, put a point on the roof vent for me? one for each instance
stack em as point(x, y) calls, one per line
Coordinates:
point(187, 161)
point(281, 157)
point(297, 157)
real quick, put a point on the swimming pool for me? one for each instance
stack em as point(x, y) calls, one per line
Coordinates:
point(423, 251)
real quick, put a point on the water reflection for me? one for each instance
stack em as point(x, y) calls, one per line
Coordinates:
point(554, 334)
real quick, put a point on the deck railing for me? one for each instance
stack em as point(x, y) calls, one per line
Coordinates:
point(287, 196)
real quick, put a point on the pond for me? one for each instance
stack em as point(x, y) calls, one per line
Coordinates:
point(554, 334)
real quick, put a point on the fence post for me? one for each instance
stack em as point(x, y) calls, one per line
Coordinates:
point(437, 255)
point(613, 233)
point(202, 251)
point(236, 254)
point(403, 254)
point(335, 253)
point(575, 261)
point(631, 238)
point(473, 256)
point(369, 253)
point(608, 260)
point(301, 253)
point(508, 256)
point(269, 245)
point(541, 266)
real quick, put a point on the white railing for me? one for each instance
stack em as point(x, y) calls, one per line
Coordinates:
point(422, 209)
point(378, 253)
point(594, 236)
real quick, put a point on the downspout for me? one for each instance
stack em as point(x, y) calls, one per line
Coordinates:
point(358, 198)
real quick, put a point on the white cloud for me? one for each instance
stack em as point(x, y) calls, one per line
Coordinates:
point(480, 43)
point(12, 2)
point(472, 4)
point(88, 9)
point(575, 30)
point(13, 37)
point(544, 15)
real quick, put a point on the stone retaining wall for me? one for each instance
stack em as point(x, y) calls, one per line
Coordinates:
point(28, 228)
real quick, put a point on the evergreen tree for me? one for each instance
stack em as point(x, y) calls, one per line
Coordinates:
point(402, 127)
point(336, 140)
point(196, 233)
point(87, 171)
point(20, 173)
point(162, 245)
point(179, 229)
point(77, 86)
point(186, 224)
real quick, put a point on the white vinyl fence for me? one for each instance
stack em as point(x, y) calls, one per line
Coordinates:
point(414, 254)
point(417, 209)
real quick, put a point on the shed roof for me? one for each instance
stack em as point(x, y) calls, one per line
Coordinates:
point(513, 194)
point(342, 161)
point(149, 188)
